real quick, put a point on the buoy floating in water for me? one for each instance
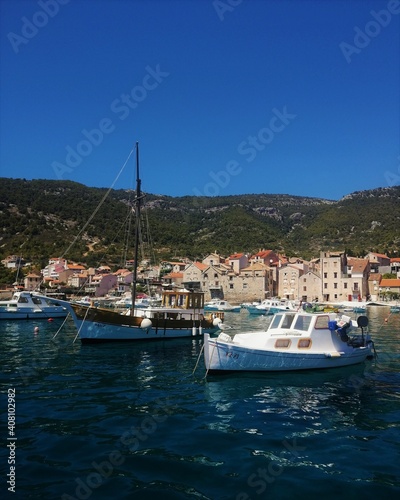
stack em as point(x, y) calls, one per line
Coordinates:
point(50, 320)
point(36, 329)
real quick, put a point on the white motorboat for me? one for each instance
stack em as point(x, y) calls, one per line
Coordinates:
point(221, 305)
point(293, 341)
point(29, 305)
point(271, 306)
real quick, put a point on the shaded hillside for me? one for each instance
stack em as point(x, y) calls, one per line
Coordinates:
point(42, 219)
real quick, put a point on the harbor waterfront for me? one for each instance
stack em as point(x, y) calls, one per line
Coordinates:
point(132, 420)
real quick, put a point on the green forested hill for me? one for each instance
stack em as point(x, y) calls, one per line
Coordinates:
point(41, 219)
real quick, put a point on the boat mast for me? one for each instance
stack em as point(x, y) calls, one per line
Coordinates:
point(137, 230)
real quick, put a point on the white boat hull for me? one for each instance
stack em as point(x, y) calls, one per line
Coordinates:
point(27, 305)
point(102, 325)
point(222, 356)
point(32, 314)
point(91, 332)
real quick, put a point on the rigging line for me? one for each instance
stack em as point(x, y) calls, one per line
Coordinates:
point(80, 328)
point(127, 224)
point(198, 358)
point(209, 360)
point(98, 206)
point(58, 331)
point(150, 238)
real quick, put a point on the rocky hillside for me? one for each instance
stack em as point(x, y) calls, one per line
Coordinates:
point(40, 219)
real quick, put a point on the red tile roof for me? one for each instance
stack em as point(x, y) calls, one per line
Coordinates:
point(200, 265)
point(174, 275)
point(390, 283)
point(235, 256)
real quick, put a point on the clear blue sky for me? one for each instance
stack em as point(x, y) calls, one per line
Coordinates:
point(225, 97)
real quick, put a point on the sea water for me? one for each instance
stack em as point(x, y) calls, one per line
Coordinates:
point(131, 420)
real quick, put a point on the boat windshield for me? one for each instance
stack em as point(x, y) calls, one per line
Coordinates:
point(286, 322)
point(302, 323)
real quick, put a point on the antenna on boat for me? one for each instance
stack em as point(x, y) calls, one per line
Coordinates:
point(137, 230)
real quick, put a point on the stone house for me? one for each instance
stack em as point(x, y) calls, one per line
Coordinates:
point(389, 288)
point(32, 281)
point(267, 257)
point(173, 278)
point(288, 281)
point(212, 260)
point(238, 261)
point(358, 271)
point(333, 266)
point(379, 263)
point(373, 286)
point(343, 278)
point(310, 286)
point(193, 275)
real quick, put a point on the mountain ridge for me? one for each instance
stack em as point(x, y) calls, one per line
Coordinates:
point(41, 218)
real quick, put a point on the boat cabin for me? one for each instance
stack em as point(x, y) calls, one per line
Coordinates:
point(183, 299)
point(301, 322)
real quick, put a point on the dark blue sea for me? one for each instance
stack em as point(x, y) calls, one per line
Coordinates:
point(122, 421)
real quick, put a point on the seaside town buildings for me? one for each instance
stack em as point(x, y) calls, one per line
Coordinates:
point(332, 277)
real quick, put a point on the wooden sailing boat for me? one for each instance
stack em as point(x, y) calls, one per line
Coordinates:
point(181, 313)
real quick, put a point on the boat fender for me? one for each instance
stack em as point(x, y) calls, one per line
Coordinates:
point(224, 337)
point(217, 322)
point(146, 324)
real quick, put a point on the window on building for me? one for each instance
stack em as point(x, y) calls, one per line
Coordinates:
point(335, 285)
point(325, 275)
point(231, 286)
point(344, 285)
point(325, 285)
point(335, 275)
